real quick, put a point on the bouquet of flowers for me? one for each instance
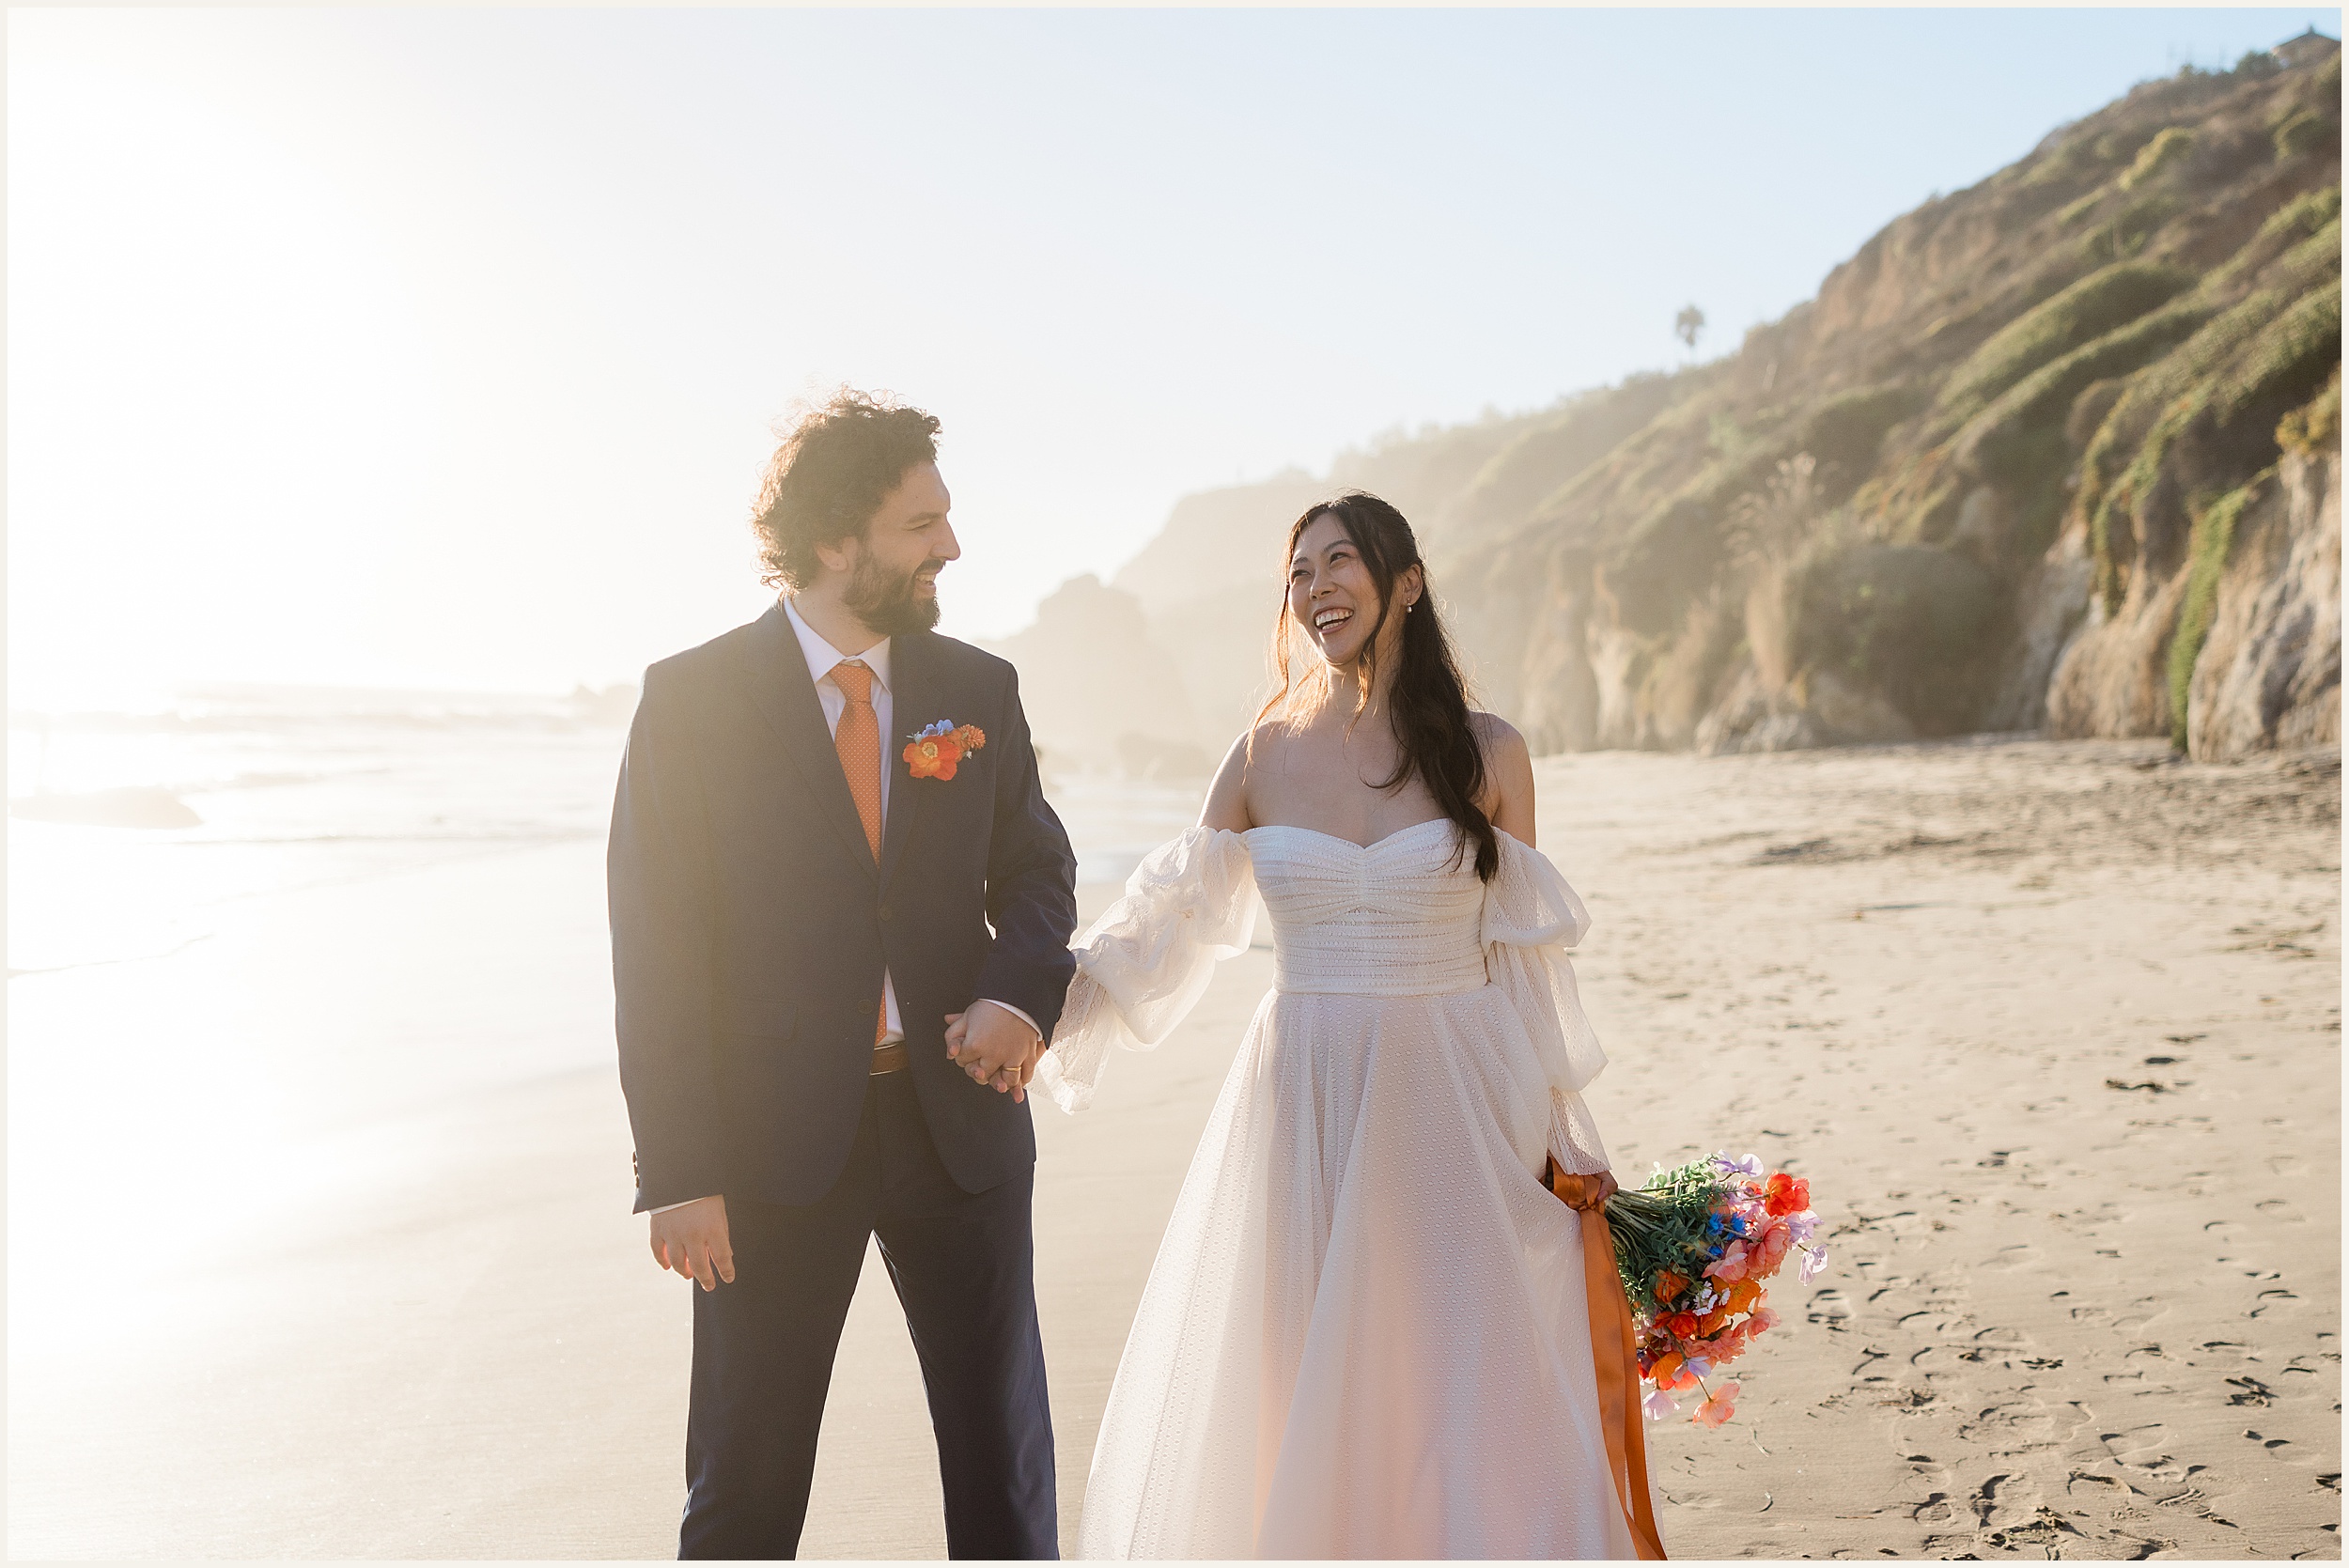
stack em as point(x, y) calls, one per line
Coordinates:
point(1693, 1246)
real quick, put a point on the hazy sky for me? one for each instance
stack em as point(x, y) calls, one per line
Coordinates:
point(443, 348)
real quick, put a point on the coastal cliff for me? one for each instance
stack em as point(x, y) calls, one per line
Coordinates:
point(2058, 452)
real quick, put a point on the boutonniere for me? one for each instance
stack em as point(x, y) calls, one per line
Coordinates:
point(933, 752)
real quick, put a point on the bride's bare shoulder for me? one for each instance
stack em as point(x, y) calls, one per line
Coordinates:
point(1227, 796)
point(1498, 737)
point(1508, 774)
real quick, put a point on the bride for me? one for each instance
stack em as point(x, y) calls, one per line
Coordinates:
point(1366, 1331)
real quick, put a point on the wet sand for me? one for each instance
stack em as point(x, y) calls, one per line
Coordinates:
point(2053, 1028)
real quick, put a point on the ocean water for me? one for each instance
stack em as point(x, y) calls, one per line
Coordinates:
point(294, 789)
point(377, 907)
point(290, 789)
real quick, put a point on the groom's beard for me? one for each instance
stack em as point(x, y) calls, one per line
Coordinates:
point(887, 603)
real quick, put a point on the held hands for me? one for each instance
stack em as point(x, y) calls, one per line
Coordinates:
point(692, 1239)
point(994, 1047)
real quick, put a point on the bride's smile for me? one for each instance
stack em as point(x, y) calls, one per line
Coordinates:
point(1334, 596)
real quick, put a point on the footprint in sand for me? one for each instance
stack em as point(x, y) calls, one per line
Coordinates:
point(2103, 1488)
point(1996, 1346)
point(2250, 1391)
point(2145, 1448)
point(2021, 1425)
point(2005, 1499)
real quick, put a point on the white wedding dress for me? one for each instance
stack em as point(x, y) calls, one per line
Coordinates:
point(1365, 1332)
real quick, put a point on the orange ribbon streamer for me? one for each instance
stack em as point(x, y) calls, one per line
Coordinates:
point(1615, 1358)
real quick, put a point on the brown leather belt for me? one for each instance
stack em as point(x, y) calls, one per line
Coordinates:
point(891, 1058)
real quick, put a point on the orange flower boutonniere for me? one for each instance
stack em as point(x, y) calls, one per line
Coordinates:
point(936, 750)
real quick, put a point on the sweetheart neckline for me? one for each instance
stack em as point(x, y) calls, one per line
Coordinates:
point(1334, 838)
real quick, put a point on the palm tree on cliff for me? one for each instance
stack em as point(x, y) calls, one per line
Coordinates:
point(1688, 324)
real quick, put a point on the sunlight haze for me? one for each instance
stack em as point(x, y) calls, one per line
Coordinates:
point(443, 348)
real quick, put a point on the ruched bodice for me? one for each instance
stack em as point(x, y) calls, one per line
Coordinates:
point(1402, 917)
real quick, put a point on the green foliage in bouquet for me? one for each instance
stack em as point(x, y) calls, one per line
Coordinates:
point(1665, 1229)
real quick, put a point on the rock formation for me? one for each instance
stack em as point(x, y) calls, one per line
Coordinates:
point(2059, 451)
point(1099, 694)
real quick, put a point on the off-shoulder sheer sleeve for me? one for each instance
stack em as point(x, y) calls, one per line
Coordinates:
point(1143, 965)
point(1532, 917)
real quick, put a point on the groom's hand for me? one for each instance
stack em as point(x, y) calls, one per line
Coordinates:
point(692, 1239)
point(995, 1047)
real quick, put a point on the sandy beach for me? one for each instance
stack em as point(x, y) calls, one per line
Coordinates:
point(2053, 1028)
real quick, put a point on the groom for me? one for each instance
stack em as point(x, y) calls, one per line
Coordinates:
point(829, 841)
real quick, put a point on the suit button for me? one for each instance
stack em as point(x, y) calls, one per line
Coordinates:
point(884, 912)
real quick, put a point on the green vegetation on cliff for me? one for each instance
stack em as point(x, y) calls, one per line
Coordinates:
point(2095, 341)
point(2206, 562)
point(1886, 514)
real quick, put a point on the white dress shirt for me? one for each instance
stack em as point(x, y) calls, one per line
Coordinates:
point(821, 656)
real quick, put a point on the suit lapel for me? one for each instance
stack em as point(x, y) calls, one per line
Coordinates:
point(779, 682)
point(914, 697)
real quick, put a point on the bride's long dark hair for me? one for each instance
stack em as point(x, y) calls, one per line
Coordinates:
point(1428, 704)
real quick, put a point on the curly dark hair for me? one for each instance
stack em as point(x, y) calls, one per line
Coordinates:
point(827, 478)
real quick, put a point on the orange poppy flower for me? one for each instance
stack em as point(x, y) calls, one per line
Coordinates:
point(1668, 1285)
point(1786, 1194)
point(934, 758)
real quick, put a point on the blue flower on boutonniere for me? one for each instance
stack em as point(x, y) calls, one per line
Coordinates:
point(934, 750)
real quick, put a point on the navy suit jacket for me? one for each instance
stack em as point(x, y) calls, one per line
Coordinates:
point(750, 924)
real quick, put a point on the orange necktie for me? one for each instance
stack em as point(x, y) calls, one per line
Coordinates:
point(858, 740)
